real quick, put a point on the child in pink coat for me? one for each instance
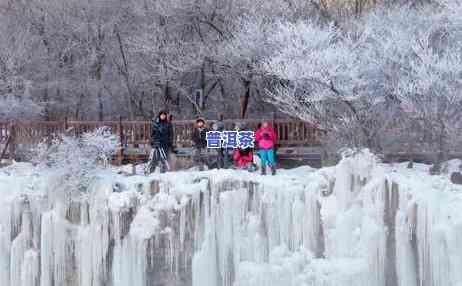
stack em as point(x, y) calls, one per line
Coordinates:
point(243, 158)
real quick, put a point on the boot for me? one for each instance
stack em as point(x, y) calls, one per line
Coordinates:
point(263, 170)
point(163, 168)
point(273, 170)
point(151, 167)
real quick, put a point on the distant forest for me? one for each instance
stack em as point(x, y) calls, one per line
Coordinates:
point(101, 59)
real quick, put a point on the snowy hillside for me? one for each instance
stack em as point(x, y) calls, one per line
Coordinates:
point(358, 223)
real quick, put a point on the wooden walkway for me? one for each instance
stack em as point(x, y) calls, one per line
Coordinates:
point(136, 135)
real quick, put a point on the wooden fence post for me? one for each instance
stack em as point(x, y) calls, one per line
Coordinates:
point(273, 120)
point(120, 154)
point(12, 139)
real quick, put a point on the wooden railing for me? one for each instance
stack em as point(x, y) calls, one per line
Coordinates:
point(136, 135)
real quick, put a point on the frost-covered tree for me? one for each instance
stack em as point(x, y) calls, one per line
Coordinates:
point(103, 59)
point(431, 86)
point(77, 160)
point(322, 75)
point(418, 55)
point(361, 81)
point(16, 99)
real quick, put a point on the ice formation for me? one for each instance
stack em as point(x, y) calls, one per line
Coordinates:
point(359, 223)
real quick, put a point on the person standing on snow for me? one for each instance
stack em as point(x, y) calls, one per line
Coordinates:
point(265, 137)
point(199, 140)
point(161, 142)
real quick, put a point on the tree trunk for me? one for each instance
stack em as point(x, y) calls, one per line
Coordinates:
point(100, 106)
point(78, 107)
point(46, 99)
point(153, 104)
point(245, 99)
point(167, 98)
point(126, 76)
point(441, 149)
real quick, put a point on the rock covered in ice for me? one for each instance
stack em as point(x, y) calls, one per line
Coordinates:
point(358, 223)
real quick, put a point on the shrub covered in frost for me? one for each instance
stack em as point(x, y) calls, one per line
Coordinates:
point(77, 159)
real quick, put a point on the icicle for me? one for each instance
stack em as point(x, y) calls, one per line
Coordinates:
point(236, 231)
point(20, 245)
point(4, 256)
point(424, 242)
point(406, 255)
point(130, 262)
point(205, 271)
point(30, 269)
point(46, 250)
point(299, 232)
point(313, 237)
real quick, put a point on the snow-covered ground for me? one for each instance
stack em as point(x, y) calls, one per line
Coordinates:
point(357, 223)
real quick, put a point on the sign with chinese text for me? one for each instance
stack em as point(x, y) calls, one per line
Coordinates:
point(230, 139)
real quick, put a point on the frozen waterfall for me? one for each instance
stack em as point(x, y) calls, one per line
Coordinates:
point(359, 223)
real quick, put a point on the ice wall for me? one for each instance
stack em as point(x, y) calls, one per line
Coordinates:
point(358, 223)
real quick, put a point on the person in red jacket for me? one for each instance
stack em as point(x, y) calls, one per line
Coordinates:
point(243, 158)
point(265, 137)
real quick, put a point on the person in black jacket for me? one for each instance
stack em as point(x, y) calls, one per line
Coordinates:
point(161, 142)
point(199, 140)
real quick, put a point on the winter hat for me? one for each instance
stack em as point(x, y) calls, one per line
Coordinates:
point(241, 125)
point(162, 112)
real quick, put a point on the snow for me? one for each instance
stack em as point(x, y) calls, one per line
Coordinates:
point(360, 222)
